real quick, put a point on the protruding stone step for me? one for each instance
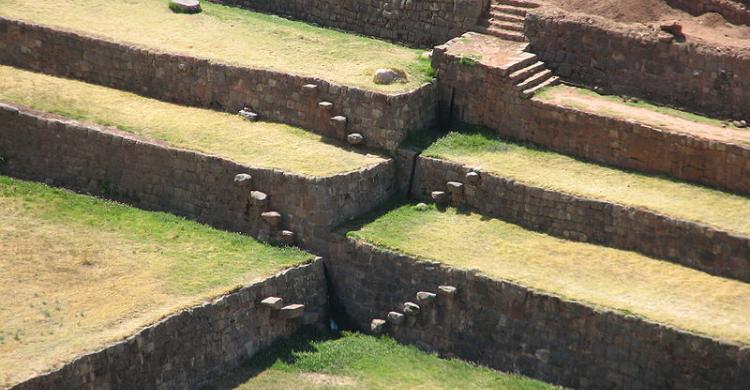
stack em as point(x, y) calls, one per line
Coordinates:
point(512, 27)
point(310, 90)
point(518, 3)
point(506, 17)
point(326, 106)
point(377, 326)
point(248, 115)
point(294, 311)
point(524, 73)
point(502, 34)
point(185, 6)
point(272, 218)
point(527, 93)
point(338, 124)
point(509, 9)
point(447, 291)
point(260, 200)
point(456, 191)
point(286, 238)
point(411, 308)
point(425, 298)
point(525, 60)
point(274, 303)
point(355, 139)
point(440, 197)
point(473, 178)
point(243, 179)
point(535, 80)
point(396, 318)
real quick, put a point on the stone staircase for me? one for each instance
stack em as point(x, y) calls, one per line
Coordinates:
point(529, 75)
point(506, 19)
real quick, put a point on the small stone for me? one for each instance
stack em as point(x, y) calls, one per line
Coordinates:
point(395, 318)
point(411, 309)
point(440, 197)
point(425, 298)
point(739, 124)
point(292, 311)
point(274, 303)
point(422, 207)
point(447, 291)
point(185, 6)
point(355, 139)
point(243, 179)
point(377, 326)
point(248, 115)
point(472, 178)
point(272, 218)
point(389, 76)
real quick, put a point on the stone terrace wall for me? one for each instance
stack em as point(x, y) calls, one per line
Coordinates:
point(421, 23)
point(384, 119)
point(691, 244)
point(630, 60)
point(103, 161)
point(734, 11)
point(189, 348)
point(483, 95)
point(527, 331)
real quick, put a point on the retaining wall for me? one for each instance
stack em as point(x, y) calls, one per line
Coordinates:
point(384, 119)
point(421, 23)
point(150, 175)
point(734, 11)
point(632, 60)
point(195, 345)
point(572, 217)
point(483, 95)
point(528, 331)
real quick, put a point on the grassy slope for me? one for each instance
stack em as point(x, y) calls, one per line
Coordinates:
point(255, 143)
point(231, 35)
point(77, 272)
point(357, 361)
point(604, 277)
point(565, 174)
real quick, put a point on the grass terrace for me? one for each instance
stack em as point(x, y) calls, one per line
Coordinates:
point(77, 272)
point(599, 276)
point(261, 144)
point(231, 35)
point(644, 112)
point(356, 361)
point(561, 173)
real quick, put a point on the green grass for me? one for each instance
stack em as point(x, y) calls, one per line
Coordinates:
point(232, 35)
point(560, 173)
point(578, 97)
point(603, 277)
point(356, 361)
point(260, 144)
point(77, 272)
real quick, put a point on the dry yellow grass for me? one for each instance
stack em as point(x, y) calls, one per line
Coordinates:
point(231, 35)
point(259, 144)
point(609, 278)
point(77, 272)
point(561, 173)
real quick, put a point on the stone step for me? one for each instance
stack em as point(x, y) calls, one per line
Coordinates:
point(528, 93)
point(506, 17)
point(527, 59)
point(535, 80)
point(503, 34)
point(513, 27)
point(518, 3)
point(507, 9)
point(526, 72)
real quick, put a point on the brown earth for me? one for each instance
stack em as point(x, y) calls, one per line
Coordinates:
point(710, 27)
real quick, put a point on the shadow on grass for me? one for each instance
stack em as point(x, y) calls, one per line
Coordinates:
point(285, 350)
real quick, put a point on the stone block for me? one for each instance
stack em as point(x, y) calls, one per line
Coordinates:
point(338, 125)
point(447, 291)
point(293, 311)
point(411, 309)
point(286, 238)
point(274, 303)
point(272, 218)
point(248, 115)
point(377, 326)
point(310, 89)
point(472, 178)
point(185, 6)
point(355, 139)
point(440, 197)
point(395, 318)
point(260, 199)
point(243, 179)
point(425, 298)
point(326, 106)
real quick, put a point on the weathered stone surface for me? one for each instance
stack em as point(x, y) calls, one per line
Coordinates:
point(275, 303)
point(389, 76)
point(290, 312)
point(377, 326)
point(411, 309)
point(440, 197)
point(425, 298)
point(243, 179)
point(355, 139)
point(447, 291)
point(185, 6)
point(472, 178)
point(395, 318)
